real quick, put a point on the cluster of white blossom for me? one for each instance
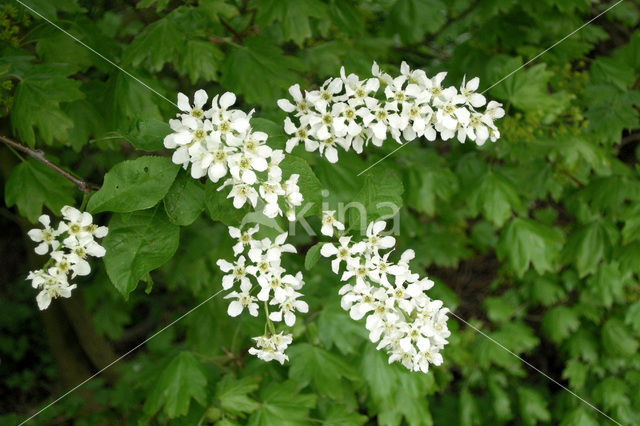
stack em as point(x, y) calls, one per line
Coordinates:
point(409, 325)
point(263, 273)
point(219, 142)
point(71, 243)
point(345, 112)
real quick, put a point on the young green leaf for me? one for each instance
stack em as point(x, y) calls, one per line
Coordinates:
point(32, 185)
point(180, 382)
point(138, 243)
point(134, 185)
point(185, 200)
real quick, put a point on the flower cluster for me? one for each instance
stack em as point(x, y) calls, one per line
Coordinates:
point(347, 112)
point(71, 243)
point(274, 287)
point(219, 143)
point(409, 325)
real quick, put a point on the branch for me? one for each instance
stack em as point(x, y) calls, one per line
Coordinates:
point(39, 156)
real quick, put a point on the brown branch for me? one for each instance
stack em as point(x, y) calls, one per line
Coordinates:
point(39, 156)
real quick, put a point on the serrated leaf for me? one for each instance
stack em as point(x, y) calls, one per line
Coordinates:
point(412, 19)
point(576, 372)
point(293, 16)
point(282, 405)
point(185, 200)
point(336, 328)
point(341, 416)
point(380, 196)
point(533, 406)
point(495, 197)
point(134, 185)
point(32, 185)
point(200, 60)
point(234, 394)
point(524, 242)
point(36, 104)
point(617, 340)
point(138, 243)
point(559, 322)
point(589, 246)
point(313, 364)
point(259, 71)
point(180, 382)
point(312, 256)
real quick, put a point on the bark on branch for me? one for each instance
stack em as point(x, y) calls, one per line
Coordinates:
point(39, 156)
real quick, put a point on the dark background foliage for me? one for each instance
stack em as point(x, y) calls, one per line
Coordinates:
point(534, 239)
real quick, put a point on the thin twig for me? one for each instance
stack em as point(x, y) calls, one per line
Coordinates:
point(39, 156)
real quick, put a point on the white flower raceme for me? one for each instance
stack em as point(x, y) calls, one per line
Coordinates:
point(219, 142)
point(72, 242)
point(350, 112)
point(262, 278)
point(405, 322)
point(271, 347)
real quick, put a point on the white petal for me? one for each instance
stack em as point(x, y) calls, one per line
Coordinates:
point(227, 99)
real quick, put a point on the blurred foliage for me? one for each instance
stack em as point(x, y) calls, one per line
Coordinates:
point(534, 239)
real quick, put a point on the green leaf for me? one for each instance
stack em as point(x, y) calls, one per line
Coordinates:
point(340, 416)
point(160, 42)
point(36, 103)
point(283, 405)
point(259, 71)
point(149, 135)
point(312, 256)
point(524, 242)
point(533, 406)
point(233, 394)
point(379, 197)
point(220, 207)
point(424, 184)
point(32, 185)
point(134, 185)
point(292, 15)
point(310, 186)
point(617, 340)
point(589, 246)
point(576, 372)
point(138, 243)
point(181, 381)
point(200, 60)
point(185, 200)
point(559, 322)
point(381, 378)
point(313, 364)
point(412, 19)
point(495, 197)
point(336, 328)
point(528, 90)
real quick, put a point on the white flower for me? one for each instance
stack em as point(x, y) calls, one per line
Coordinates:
point(54, 286)
point(242, 192)
point(345, 251)
point(374, 241)
point(243, 300)
point(286, 298)
point(271, 347)
point(243, 237)
point(235, 272)
point(199, 99)
point(301, 105)
point(46, 237)
point(469, 95)
point(329, 222)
